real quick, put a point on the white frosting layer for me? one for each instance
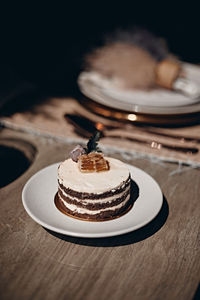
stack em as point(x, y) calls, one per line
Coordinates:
point(104, 200)
point(81, 210)
point(70, 176)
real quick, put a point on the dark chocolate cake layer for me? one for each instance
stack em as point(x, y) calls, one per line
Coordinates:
point(102, 216)
point(94, 205)
point(93, 196)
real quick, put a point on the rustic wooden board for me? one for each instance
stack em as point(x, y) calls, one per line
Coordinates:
point(158, 261)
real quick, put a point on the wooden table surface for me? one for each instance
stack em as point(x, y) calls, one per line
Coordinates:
point(158, 261)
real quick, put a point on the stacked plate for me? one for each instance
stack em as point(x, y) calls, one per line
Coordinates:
point(157, 106)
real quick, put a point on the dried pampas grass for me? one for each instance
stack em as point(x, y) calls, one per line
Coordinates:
point(133, 66)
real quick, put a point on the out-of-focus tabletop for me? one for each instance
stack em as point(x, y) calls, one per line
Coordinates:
point(158, 261)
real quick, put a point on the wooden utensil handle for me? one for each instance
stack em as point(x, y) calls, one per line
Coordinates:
point(167, 72)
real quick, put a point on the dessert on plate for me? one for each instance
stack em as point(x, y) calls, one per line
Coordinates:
point(93, 187)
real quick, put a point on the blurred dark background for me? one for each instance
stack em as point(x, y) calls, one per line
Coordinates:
point(45, 44)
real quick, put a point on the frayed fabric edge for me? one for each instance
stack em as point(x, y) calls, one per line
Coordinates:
point(126, 153)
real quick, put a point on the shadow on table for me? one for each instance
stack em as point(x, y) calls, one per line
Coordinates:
point(197, 293)
point(126, 239)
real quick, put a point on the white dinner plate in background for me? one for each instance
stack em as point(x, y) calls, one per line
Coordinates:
point(157, 101)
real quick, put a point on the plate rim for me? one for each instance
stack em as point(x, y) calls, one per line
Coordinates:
point(135, 108)
point(90, 235)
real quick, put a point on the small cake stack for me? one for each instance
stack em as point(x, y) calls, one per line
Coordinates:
point(93, 187)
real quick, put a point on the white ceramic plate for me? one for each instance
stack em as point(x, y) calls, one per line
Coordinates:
point(38, 200)
point(160, 101)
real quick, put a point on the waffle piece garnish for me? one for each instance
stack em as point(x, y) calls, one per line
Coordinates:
point(92, 162)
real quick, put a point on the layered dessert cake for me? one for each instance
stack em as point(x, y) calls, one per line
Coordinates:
point(93, 187)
